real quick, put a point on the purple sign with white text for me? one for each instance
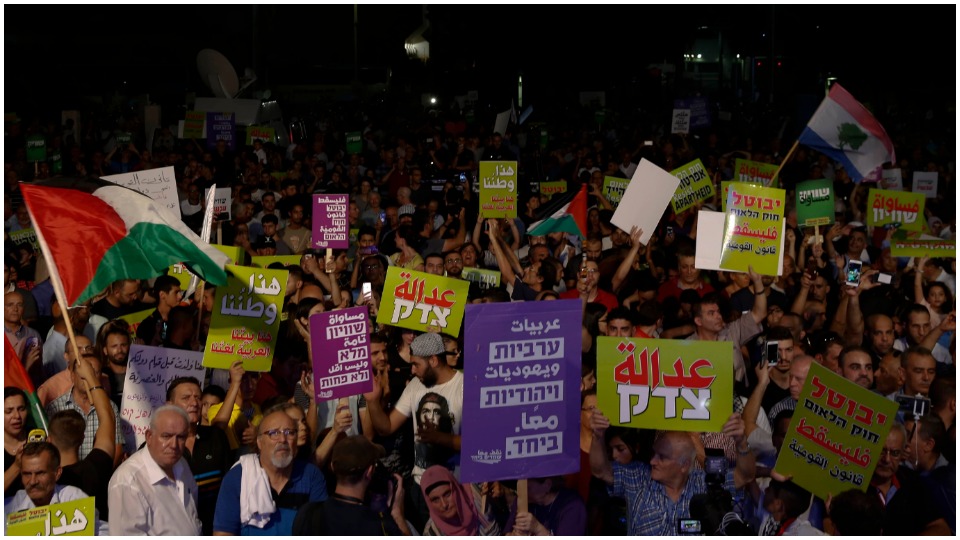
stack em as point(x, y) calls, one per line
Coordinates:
point(330, 227)
point(341, 353)
point(221, 127)
point(521, 406)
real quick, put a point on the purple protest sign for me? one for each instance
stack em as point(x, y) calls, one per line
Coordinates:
point(341, 353)
point(330, 227)
point(521, 413)
point(221, 127)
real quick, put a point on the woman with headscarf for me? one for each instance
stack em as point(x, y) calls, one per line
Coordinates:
point(453, 506)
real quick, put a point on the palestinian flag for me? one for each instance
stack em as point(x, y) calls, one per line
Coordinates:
point(567, 214)
point(14, 374)
point(96, 232)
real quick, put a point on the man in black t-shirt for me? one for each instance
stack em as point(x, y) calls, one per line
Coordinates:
point(367, 500)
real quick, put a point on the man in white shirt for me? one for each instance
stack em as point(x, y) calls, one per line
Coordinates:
point(153, 492)
point(40, 470)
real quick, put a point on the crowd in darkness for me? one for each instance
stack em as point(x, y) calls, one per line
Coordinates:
point(252, 453)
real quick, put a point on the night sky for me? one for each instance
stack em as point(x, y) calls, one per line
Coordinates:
point(53, 53)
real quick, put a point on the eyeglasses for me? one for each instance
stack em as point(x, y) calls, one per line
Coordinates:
point(458, 261)
point(275, 434)
point(86, 349)
point(892, 453)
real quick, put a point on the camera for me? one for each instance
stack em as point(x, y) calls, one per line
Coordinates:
point(687, 526)
point(914, 405)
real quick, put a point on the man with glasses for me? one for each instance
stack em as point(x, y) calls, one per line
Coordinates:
point(453, 264)
point(909, 509)
point(268, 503)
point(587, 289)
point(78, 399)
point(154, 493)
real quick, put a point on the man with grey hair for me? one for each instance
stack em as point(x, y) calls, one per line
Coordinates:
point(659, 493)
point(262, 494)
point(153, 492)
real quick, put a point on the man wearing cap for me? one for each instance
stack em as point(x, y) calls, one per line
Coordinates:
point(436, 393)
point(271, 226)
point(266, 247)
point(346, 512)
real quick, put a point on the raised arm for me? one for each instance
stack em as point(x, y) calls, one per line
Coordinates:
point(759, 311)
point(623, 271)
point(106, 435)
point(222, 419)
point(599, 462)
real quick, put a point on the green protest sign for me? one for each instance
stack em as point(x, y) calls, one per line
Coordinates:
point(900, 209)
point(25, 236)
point(260, 133)
point(354, 141)
point(753, 229)
point(544, 138)
point(193, 124)
point(755, 172)
point(36, 148)
point(815, 204)
point(72, 518)
point(834, 441)
point(56, 163)
point(695, 185)
point(498, 189)
point(488, 279)
point(725, 190)
point(551, 188)
point(911, 244)
point(614, 188)
point(421, 301)
point(664, 383)
point(246, 318)
point(263, 261)
point(124, 138)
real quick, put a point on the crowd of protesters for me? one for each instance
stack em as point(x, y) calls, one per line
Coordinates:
point(253, 453)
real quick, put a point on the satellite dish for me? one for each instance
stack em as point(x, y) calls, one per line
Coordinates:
point(217, 72)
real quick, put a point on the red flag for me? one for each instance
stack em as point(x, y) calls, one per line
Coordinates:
point(14, 374)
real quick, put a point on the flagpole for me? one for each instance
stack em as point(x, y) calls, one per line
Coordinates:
point(205, 231)
point(786, 158)
point(58, 290)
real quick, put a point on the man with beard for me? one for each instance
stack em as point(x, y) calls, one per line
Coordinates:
point(296, 235)
point(121, 299)
point(207, 450)
point(433, 376)
point(453, 264)
point(275, 487)
point(153, 492)
point(113, 341)
point(856, 366)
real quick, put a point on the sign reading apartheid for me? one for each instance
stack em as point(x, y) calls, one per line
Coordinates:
point(552, 188)
point(158, 184)
point(815, 204)
point(695, 185)
point(498, 189)
point(753, 229)
point(755, 172)
point(149, 370)
point(520, 390)
point(246, 318)
point(341, 353)
point(487, 279)
point(421, 301)
point(834, 441)
point(665, 383)
point(614, 188)
point(898, 209)
point(71, 518)
point(330, 226)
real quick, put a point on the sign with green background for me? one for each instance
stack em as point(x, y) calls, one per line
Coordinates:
point(72, 518)
point(815, 204)
point(498, 189)
point(421, 301)
point(665, 383)
point(695, 185)
point(834, 440)
point(900, 209)
point(753, 228)
point(755, 172)
point(614, 188)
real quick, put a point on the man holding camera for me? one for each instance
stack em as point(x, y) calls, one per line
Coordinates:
point(658, 494)
point(365, 492)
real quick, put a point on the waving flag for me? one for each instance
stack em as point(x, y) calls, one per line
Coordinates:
point(567, 214)
point(845, 130)
point(97, 232)
point(14, 374)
